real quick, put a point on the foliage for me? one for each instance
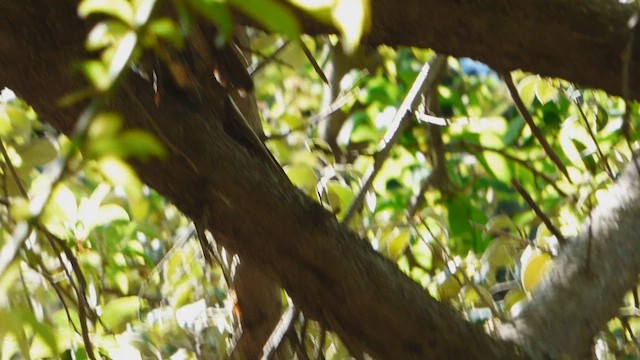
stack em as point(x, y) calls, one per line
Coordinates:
point(109, 259)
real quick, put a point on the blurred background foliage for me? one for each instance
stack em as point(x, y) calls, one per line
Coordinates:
point(110, 258)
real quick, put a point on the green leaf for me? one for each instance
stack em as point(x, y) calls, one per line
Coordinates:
point(527, 89)
point(143, 9)
point(499, 167)
point(104, 34)
point(459, 216)
point(37, 152)
point(514, 130)
point(395, 242)
point(545, 92)
point(340, 197)
point(218, 13)
point(104, 126)
point(122, 56)
point(352, 18)
point(122, 281)
point(302, 176)
point(120, 9)
point(118, 312)
point(602, 118)
point(14, 121)
point(272, 15)
point(45, 343)
point(97, 74)
point(121, 174)
point(61, 213)
point(141, 144)
point(167, 29)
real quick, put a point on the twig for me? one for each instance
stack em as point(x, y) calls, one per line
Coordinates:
point(424, 82)
point(44, 272)
point(335, 106)
point(603, 158)
point(467, 281)
point(524, 163)
point(439, 176)
point(532, 125)
point(13, 171)
point(313, 61)
point(80, 290)
point(268, 58)
point(545, 219)
point(285, 323)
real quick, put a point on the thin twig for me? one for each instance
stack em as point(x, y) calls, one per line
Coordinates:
point(81, 290)
point(603, 158)
point(524, 163)
point(335, 106)
point(467, 281)
point(532, 125)
point(44, 272)
point(313, 61)
point(268, 58)
point(439, 176)
point(545, 219)
point(13, 171)
point(424, 82)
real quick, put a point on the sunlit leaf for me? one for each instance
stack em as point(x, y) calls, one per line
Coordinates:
point(448, 285)
point(122, 281)
point(302, 176)
point(167, 29)
point(109, 213)
point(119, 311)
point(272, 15)
point(534, 265)
point(45, 343)
point(104, 33)
point(14, 121)
point(545, 92)
point(61, 213)
point(527, 89)
point(475, 296)
point(340, 197)
point(140, 144)
point(499, 166)
point(352, 17)
point(121, 174)
point(120, 9)
point(122, 55)
point(104, 126)
point(37, 152)
point(396, 242)
point(97, 74)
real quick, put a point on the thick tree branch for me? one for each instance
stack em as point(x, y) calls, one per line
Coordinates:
point(584, 42)
point(585, 286)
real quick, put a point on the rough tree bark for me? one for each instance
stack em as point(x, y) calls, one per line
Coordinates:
point(332, 275)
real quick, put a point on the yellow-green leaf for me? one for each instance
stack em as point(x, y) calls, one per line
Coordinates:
point(118, 312)
point(120, 9)
point(353, 19)
point(37, 152)
point(535, 264)
point(302, 176)
point(272, 15)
